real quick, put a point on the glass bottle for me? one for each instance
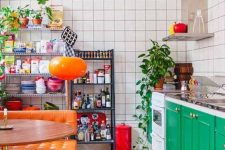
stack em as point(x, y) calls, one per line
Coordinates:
point(88, 103)
point(103, 98)
point(108, 132)
point(99, 102)
point(108, 101)
point(103, 130)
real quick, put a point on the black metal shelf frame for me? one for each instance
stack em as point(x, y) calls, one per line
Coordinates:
point(112, 109)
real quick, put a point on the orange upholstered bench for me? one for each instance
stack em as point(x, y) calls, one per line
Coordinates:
point(62, 116)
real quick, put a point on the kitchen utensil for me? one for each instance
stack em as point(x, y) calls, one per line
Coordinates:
point(69, 36)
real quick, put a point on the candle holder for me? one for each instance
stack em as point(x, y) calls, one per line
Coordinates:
point(5, 125)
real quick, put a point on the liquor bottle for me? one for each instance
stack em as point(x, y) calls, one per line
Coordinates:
point(91, 101)
point(92, 136)
point(80, 134)
point(88, 103)
point(83, 102)
point(99, 102)
point(75, 102)
point(88, 77)
point(103, 98)
point(103, 130)
point(108, 132)
point(108, 101)
point(87, 136)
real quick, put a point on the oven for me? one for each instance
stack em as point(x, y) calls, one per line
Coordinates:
point(157, 142)
point(158, 121)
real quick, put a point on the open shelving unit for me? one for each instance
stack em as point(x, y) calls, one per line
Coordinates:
point(32, 75)
point(111, 110)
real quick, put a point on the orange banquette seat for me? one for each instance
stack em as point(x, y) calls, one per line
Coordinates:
point(62, 116)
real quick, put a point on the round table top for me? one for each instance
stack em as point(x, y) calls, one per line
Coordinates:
point(33, 131)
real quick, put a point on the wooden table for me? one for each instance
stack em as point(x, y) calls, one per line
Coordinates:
point(33, 131)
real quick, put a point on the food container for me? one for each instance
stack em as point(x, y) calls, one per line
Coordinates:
point(54, 84)
point(101, 76)
point(14, 105)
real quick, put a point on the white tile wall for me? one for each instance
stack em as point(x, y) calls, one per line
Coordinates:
point(126, 26)
point(208, 56)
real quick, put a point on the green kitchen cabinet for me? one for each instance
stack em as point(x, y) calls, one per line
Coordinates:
point(187, 129)
point(197, 130)
point(220, 142)
point(173, 126)
point(220, 134)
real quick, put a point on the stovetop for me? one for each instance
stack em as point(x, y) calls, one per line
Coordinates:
point(216, 104)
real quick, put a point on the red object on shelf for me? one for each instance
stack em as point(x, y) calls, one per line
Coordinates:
point(14, 105)
point(180, 28)
point(123, 137)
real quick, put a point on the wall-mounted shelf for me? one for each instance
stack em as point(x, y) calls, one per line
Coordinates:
point(38, 95)
point(94, 109)
point(92, 83)
point(41, 29)
point(29, 75)
point(32, 54)
point(188, 36)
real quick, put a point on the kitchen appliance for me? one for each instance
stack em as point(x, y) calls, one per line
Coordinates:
point(158, 121)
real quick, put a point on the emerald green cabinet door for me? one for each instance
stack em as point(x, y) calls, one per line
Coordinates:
point(173, 126)
point(220, 142)
point(187, 129)
point(203, 131)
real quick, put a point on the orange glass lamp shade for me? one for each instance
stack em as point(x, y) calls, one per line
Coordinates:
point(67, 68)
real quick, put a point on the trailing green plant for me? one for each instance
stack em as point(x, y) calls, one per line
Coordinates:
point(154, 66)
point(24, 12)
point(8, 20)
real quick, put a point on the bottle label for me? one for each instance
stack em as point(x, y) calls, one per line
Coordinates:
point(108, 137)
point(98, 103)
point(108, 104)
point(103, 101)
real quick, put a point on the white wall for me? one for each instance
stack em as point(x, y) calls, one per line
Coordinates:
point(208, 56)
point(123, 25)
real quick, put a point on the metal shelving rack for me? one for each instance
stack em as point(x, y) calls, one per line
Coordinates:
point(111, 110)
point(8, 75)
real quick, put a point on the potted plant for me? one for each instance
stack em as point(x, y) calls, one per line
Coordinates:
point(24, 14)
point(155, 65)
point(37, 17)
point(9, 20)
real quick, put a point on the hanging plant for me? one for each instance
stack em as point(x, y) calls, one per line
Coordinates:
point(155, 65)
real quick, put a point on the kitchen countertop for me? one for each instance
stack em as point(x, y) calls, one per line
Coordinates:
point(198, 104)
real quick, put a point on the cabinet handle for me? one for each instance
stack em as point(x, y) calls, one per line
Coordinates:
point(177, 109)
point(191, 115)
point(223, 145)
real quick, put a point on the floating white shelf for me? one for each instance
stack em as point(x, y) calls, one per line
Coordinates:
point(188, 36)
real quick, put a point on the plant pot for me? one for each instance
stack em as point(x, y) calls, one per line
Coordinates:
point(24, 22)
point(159, 85)
point(37, 21)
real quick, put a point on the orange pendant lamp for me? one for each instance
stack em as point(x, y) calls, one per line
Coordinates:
point(67, 68)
